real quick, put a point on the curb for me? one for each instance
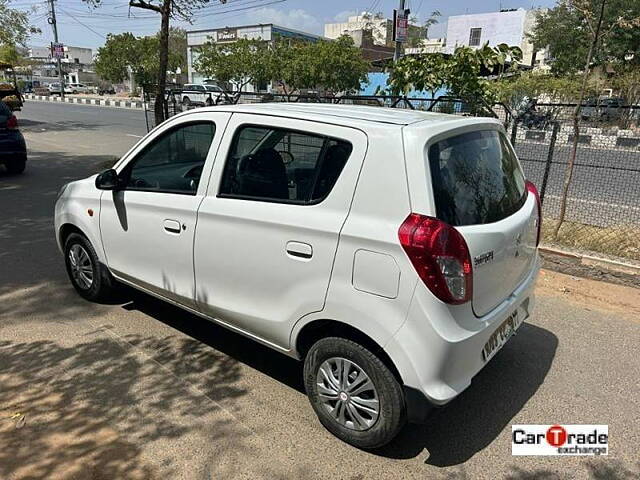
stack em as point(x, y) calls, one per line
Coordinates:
point(591, 261)
point(98, 102)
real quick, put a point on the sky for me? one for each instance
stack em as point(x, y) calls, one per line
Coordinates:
point(82, 26)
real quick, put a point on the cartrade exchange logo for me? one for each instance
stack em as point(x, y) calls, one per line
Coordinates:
point(560, 439)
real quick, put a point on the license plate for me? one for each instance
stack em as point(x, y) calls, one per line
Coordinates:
point(501, 335)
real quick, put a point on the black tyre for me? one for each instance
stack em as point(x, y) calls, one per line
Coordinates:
point(17, 165)
point(186, 101)
point(88, 276)
point(354, 394)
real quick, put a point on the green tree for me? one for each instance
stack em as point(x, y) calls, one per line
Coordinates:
point(338, 65)
point(14, 25)
point(240, 63)
point(459, 73)
point(293, 66)
point(567, 30)
point(512, 90)
point(417, 33)
point(9, 54)
point(167, 9)
point(125, 51)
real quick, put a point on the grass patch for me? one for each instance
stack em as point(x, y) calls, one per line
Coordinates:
point(620, 241)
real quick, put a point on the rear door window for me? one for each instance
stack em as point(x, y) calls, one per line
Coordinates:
point(476, 178)
point(275, 164)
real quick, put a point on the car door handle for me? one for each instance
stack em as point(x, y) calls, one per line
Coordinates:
point(172, 226)
point(299, 250)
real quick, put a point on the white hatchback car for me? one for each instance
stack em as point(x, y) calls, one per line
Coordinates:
point(393, 251)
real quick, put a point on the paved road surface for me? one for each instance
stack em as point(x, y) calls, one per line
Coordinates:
point(605, 188)
point(139, 389)
point(81, 128)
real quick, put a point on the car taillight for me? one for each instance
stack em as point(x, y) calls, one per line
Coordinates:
point(12, 123)
point(531, 188)
point(440, 255)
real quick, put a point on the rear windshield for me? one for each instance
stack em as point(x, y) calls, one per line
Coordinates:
point(476, 178)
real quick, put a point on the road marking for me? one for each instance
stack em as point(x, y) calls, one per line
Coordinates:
point(132, 135)
point(594, 202)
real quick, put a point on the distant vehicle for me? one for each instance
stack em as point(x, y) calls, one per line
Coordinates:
point(78, 88)
point(200, 94)
point(393, 251)
point(529, 117)
point(54, 88)
point(604, 109)
point(13, 149)
point(108, 90)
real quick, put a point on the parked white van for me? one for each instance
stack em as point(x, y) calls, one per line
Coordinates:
point(393, 251)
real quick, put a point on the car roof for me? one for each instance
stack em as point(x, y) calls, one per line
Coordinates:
point(331, 112)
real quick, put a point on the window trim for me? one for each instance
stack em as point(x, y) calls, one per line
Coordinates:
point(126, 169)
point(302, 203)
point(471, 32)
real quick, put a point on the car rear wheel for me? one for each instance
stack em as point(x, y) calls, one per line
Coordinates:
point(186, 101)
point(17, 165)
point(355, 396)
point(89, 277)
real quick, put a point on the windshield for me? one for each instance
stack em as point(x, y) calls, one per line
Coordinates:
point(476, 178)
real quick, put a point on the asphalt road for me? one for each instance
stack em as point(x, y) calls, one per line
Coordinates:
point(139, 389)
point(82, 128)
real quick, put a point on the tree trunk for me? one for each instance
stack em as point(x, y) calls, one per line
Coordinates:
point(159, 108)
point(568, 174)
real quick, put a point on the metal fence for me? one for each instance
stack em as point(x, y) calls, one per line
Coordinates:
point(603, 202)
point(443, 104)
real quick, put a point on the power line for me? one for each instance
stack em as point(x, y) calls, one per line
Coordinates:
point(84, 25)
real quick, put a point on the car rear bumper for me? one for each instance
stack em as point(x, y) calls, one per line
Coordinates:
point(438, 355)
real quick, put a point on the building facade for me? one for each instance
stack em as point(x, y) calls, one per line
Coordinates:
point(506, 26)
point(266, 32)
point(381, 28)
point(76, 65)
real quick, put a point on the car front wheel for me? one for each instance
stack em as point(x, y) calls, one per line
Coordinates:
point(354, 394)
point(89, 277)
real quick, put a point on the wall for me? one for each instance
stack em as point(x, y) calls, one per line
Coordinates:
point(497, 27)
point(381, 29)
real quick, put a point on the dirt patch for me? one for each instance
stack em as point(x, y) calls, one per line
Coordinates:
point(591, 294)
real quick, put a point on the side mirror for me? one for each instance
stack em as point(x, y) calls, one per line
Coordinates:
point(108, 180)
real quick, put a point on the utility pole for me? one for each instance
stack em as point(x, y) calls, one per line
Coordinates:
point(52, 21)
point(398, 50)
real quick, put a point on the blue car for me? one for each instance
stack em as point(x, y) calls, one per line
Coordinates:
point(13, 149)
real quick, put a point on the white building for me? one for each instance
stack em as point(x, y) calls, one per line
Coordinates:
point(381, 28)
point(266, 32)
point(72, 55)
point(506, 26)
